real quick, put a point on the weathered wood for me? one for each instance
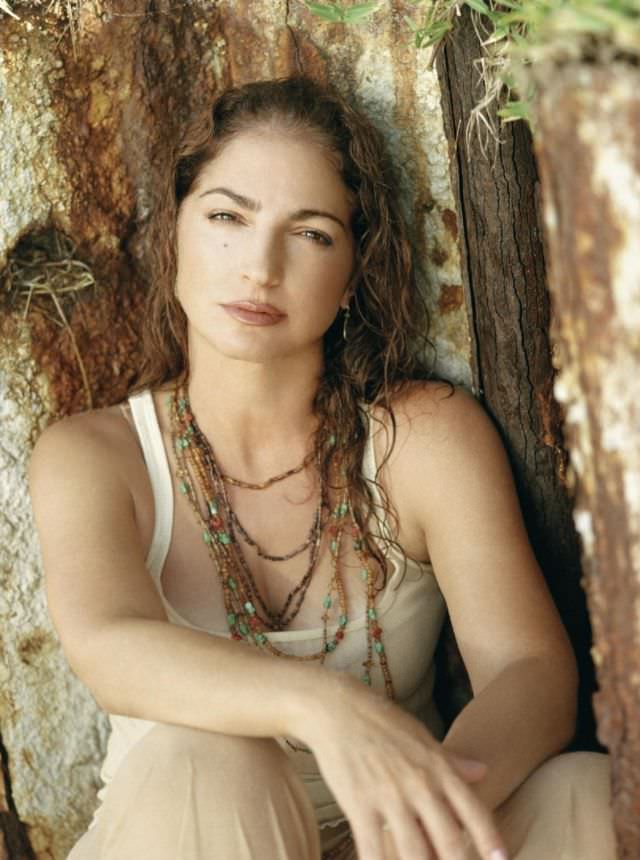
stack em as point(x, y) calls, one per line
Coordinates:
point(588, 149)
point(506, 292)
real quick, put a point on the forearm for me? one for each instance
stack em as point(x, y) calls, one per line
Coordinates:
point(158, 671)
point(515, 723)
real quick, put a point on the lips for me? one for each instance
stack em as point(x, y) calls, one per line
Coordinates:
point(254, 313)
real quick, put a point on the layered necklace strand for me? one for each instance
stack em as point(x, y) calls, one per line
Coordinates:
point(247, 485)
point(274, 621)
point(202, 483)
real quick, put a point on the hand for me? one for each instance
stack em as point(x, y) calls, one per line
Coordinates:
point(386, 770)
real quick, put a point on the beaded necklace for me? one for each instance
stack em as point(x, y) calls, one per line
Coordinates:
point(236, 482)
point(217, 490)
point(201, 482)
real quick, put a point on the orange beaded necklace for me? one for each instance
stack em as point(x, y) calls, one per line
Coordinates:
point(201, 481)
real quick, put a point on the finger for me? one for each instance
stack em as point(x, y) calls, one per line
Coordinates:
point(431, 854)
point(469, 769)
point(443, 828)
point(408, 836)
point(390, 851)
point(367, 837)
point(478, 822)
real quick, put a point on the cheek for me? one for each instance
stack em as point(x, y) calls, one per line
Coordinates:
point(202, 261)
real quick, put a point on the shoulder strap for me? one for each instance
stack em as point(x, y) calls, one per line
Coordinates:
point(146, 423)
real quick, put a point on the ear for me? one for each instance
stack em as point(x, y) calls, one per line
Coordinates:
point(347, 295)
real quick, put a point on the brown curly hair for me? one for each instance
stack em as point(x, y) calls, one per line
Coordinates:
point(387, 345)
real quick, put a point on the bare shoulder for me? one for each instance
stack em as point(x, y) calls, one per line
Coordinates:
point(447, 454)
point(85, 477)
point(83, 447)
point(436, 420)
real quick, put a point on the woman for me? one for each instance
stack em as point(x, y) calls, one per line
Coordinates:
point(295, 485)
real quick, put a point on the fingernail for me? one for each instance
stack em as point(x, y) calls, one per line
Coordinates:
point(498, 854)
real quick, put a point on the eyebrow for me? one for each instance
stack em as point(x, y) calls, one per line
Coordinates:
point(255, 206)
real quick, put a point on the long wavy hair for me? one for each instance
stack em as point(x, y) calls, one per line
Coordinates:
point(386, 345)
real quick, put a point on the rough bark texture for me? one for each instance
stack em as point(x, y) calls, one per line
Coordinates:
point(90, 107)
point(588, 150)
point(504, 279)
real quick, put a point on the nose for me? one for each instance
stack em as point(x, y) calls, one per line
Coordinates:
point(262, 264)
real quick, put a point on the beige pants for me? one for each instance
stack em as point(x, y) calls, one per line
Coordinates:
point(185, 794)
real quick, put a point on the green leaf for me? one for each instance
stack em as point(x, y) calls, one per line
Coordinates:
point(411, 24)
point(432, 34)
point(478, 6)
point(359, 12)
point(498, 34)
point(513, 111)
point(331, 13)
point(589, 23)
point(521, 16)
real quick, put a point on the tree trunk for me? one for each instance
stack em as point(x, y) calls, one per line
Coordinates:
point(588, 150)
point(506, 292)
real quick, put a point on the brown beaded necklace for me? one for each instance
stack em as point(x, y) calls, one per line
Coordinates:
point(247, 485)
point(200, 480)
point(274, 620)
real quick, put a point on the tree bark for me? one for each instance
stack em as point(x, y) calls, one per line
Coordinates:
point(588, 149)
point(503, 265)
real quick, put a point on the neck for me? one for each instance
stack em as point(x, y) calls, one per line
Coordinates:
point(258, 417)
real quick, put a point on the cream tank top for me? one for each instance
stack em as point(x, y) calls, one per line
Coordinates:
point(411, 610)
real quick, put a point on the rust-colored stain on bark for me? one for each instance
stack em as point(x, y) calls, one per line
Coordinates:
point(133, 78)
point(450, 221)
point(438, 255)
point(30, 648)
point(552, 418)
point(451, 298)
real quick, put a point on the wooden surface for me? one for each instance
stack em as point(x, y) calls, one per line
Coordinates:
point(508, 300)
point(588, 149)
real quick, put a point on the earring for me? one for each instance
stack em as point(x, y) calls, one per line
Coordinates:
point(345, 322)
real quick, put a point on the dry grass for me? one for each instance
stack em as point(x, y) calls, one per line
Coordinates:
point(67, 11)
point(521, 37)
point(4, 7)
point(41, 276)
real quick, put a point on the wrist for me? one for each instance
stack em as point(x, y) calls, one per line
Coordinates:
point(323, 698)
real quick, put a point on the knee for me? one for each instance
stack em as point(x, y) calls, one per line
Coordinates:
point(576, 768)
point(583, 776)
point(175, 743)
point(214, 755)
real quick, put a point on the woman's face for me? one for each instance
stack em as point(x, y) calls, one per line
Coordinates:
point(264, 248)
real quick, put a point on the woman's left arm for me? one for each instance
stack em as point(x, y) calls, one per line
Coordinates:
point(458, 484)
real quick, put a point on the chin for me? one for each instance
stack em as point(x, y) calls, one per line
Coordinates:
point(255, 350)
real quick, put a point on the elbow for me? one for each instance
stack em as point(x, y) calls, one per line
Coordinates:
point(91, 675)
point(93, 660)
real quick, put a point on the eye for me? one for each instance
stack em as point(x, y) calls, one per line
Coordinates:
point(222, 216)
point(315, 236)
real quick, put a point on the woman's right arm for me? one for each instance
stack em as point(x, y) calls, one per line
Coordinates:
point(109, 617)
point(380, 762)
